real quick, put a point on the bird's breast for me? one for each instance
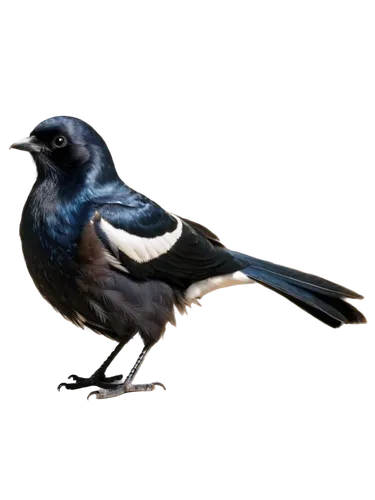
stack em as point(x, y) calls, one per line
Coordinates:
point(50, 235)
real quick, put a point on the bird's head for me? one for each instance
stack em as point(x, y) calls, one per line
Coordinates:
point(67, 148)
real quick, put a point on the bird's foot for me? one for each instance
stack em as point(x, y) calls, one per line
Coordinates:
point(105, 393)
point(97, 379)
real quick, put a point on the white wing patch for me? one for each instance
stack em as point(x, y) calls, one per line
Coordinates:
point(200, 288)
point(138, 248)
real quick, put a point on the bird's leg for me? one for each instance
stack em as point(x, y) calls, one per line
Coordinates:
point(98, 378)
point(138, 363)
point(100, 372)
point(128, 385)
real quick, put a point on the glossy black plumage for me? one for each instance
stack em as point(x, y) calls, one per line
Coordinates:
point(65, 257)
point(108, 258)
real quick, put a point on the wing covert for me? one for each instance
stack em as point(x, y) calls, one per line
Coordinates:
point(151, 243)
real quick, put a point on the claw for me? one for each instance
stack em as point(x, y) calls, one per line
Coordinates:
point(102, 394)
point(79, 383)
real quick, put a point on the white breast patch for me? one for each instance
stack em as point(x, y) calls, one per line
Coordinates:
point(138, 248)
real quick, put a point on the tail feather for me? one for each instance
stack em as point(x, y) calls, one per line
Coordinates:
point(319, 297)
point(314, 283)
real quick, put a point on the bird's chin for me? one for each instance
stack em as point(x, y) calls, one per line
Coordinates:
point(43, 162)
point(34, 158)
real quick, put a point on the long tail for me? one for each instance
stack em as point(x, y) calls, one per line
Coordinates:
point(319, 297)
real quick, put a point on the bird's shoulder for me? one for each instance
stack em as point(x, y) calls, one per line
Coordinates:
point(127, 209)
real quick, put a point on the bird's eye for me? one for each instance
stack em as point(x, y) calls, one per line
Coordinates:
point(59, 141)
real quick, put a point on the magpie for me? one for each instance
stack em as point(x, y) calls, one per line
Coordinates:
point(110, 259)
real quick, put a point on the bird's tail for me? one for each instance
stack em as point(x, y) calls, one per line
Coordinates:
point(319, 297)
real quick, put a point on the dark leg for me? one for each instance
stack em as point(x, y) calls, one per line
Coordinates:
point(109, 360)
point(138, 363)
point(98, 378)
point(128, 385)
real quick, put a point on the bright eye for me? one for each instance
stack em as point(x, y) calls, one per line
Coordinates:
point(60, 141)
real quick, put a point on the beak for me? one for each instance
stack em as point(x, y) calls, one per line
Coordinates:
point(30, 144)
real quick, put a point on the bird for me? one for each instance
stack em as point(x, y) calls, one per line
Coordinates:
point(110, 259)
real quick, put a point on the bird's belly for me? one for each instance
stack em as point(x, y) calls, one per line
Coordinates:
point(58, 303)
point(55, 282)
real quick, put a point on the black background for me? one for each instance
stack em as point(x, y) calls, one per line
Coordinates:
point(281, 181)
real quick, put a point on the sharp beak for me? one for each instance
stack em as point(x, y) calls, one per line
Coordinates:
point(30, 144)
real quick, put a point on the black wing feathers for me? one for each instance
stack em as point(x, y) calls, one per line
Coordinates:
point(146, 220)
point(196, 254)
point(204, 231)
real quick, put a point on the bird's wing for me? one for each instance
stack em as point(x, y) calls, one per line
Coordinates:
point(152, 243)
point(215, 240)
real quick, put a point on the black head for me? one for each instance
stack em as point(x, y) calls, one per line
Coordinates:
point(67, 148)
